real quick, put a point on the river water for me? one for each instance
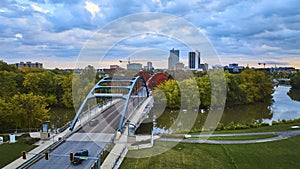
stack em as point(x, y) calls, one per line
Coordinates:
point(282, 106)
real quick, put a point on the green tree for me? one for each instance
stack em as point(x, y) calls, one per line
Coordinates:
point(168, 90)
point(8, 84)
point(67, 99)
point(28, 110)
point(189, 93)
point(5, 120)
point(295, 80)
point(42, 84)
point(204, 90)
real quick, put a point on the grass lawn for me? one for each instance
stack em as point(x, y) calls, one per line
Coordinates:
point(250, 137)
point(10, 152)
point(279, 127)
point(279, 154)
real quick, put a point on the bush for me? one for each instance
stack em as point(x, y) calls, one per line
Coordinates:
point(29, 141)
point(265, 124)
point(220, 126)
point(275, 122)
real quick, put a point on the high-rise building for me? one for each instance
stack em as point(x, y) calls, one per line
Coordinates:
point(194, 60)
point(173, 59)
point(149, 66)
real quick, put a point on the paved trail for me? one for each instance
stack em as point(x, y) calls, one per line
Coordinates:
point(280, 136)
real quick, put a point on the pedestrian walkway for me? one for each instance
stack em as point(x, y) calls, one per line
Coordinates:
point(280, 136)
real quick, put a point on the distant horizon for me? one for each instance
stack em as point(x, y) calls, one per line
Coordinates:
point(108, 66)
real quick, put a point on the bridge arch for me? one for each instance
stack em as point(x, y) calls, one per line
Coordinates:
point(115, 87)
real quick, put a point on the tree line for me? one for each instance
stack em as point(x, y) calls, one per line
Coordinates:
point(245, 88)
point(28, 94)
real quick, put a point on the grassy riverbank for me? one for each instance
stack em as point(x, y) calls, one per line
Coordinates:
point(246, 137)
point(279, 154)
point(278, 126)
point(12, 151)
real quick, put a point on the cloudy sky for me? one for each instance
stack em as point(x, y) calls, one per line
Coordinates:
point(60, 33)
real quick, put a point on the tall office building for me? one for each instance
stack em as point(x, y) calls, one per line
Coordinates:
point(149, 66)
point(173, 59)
point(194, 60)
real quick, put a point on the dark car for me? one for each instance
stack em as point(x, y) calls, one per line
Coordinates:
point(93, 122)
point(80, 155)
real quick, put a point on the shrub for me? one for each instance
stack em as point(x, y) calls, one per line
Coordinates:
point(274, 123)
point(28, 140)
point(265, 124)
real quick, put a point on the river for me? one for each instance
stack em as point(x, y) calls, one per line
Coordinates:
point(282, 106)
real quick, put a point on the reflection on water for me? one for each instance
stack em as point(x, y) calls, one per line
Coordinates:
point(294, 94)
point(282, 107)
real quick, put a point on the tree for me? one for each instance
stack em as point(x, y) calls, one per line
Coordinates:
point(28, 110)
point(189, 93)
point(67, 99)
point(8, 84)
point(42, 84)
point(5, 120)
point(168, 90)
point(204, 90)
point(295, 80)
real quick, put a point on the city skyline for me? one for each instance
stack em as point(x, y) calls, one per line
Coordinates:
point(54, 32)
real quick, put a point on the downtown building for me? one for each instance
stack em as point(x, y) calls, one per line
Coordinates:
point(173, 59)
point(194, 60)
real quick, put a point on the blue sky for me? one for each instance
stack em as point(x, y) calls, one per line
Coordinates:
point(55, 31)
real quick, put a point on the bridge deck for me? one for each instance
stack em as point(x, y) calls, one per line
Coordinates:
point(119, 151)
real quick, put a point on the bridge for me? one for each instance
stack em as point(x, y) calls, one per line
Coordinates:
point(123, 102)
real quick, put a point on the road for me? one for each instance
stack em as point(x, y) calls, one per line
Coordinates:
point(280, 136)
point(93, 136)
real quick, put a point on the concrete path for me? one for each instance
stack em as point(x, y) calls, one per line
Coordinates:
point(280, 136)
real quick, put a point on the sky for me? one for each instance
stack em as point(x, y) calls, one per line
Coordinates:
point(75, 33)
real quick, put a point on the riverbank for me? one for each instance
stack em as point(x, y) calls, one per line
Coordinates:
point(278, 154)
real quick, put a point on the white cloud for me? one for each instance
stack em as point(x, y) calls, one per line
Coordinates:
point(39, 9)
point(2, 11)
point(92, 8)
point(18, 36)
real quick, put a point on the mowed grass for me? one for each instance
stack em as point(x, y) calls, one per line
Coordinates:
point(279, 154)
point(250, 137)
point(10, 152)
point(273, 128)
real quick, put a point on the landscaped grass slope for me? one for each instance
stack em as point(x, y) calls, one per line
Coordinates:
point(10, 152)
point(280, 154)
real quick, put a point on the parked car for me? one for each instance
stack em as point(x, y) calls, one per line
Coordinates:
point(79, 154)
